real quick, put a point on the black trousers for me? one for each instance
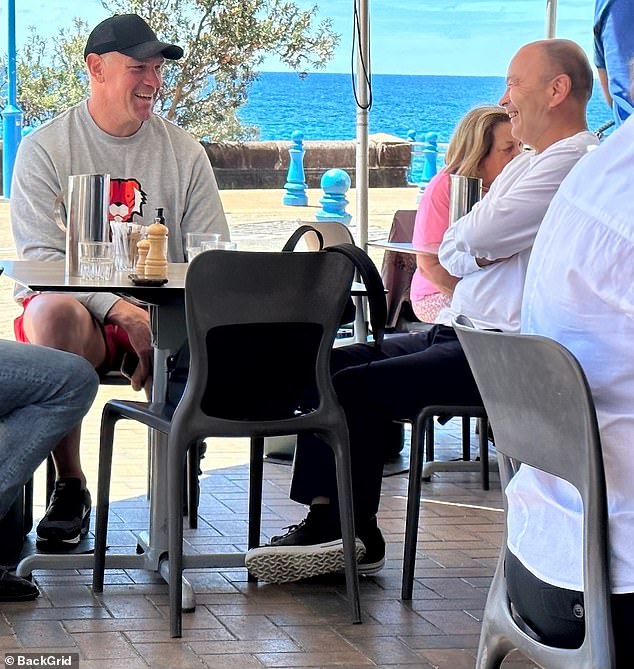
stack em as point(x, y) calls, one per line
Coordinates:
point(557, 614)
point(376, 388)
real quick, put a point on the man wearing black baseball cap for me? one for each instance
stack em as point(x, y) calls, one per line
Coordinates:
point(130, 35)
point(152, 163)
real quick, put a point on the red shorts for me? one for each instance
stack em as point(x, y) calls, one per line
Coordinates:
point(115, 339)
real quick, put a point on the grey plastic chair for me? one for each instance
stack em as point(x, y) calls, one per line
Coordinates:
point(542, 414)
point(332, 232)
point(261, 328)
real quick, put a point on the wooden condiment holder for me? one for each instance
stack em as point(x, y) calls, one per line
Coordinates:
point(156, 259)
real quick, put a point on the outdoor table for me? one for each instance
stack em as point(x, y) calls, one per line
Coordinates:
point(404, 247)
point(166, 306)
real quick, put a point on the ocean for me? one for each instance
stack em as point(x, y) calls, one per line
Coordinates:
point(322, 105)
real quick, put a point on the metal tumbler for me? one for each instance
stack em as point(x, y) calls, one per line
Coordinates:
point(464, 192)
point(86, 214)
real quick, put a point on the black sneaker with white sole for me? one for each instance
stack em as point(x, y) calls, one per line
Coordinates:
point(67, 517)
point(312, 548)
point(374, 543)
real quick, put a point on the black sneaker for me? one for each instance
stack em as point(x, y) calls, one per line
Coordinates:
point(374, 559)
point(67, 517)
point(311, 548)
point(16, 589)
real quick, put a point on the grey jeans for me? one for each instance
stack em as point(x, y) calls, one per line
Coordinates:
point(43, 394)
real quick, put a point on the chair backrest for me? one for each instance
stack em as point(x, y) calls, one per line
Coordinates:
point(332, 232)
point(261, 327)
point(542, 414)
point(398, 268)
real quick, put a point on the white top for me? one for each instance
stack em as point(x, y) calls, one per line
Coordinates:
point(502, 227)
point(580, 292)
point(161, 165)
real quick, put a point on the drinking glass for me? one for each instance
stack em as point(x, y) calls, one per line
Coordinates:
point(195, 241)
point(125, 237)
point(217, 244)
point(96, 260)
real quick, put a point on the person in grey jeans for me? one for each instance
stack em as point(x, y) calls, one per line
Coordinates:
point(43, 393)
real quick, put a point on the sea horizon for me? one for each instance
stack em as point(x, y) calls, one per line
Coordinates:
point(321, 104)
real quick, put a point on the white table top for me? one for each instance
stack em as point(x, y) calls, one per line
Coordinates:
point(43, 275)
point(404, 247)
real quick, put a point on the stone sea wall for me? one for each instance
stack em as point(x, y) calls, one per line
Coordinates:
point(265, 164)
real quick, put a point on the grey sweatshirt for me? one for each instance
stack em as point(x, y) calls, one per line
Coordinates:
point(159, 166)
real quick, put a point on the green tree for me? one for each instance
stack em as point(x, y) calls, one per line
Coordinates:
point(225, 42)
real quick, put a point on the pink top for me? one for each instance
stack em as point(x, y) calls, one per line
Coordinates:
point(432, 220)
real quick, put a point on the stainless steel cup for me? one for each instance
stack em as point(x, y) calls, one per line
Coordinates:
point(464, 192)
point(86, 214)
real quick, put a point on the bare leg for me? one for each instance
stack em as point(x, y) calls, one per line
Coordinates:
point(61, 322)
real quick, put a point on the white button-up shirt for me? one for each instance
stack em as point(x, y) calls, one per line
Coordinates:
point(502, 227)
point(580, 292)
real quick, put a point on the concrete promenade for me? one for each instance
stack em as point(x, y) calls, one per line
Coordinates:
point(240, 625)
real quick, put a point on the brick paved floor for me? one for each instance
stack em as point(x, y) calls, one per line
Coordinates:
point(243, 625)
point(238, 624)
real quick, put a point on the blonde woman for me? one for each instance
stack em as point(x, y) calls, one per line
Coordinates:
point(481, 146)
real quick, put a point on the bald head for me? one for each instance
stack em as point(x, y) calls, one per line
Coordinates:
point(548, 86)
point(567, 57)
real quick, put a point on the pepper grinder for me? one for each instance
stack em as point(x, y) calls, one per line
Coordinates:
point(156, 259)
point(143, 246)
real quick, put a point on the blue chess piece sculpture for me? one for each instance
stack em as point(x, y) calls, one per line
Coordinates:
point(335, 183)
point(295, 179)
point(430, 156)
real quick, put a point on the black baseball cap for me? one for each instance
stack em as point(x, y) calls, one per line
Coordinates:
point(130, 35)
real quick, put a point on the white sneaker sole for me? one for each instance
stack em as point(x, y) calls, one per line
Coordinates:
point(284, 564)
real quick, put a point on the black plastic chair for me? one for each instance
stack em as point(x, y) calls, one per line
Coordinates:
point(542, 413)
point(422, 439)
point(260, 327)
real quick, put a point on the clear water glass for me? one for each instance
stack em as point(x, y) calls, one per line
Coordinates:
point(217, 244)
point(96, 260)
point(125, 237)
point(195, 242)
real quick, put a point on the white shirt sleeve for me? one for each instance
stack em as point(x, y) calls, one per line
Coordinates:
point(506, 221)
point(457, 263)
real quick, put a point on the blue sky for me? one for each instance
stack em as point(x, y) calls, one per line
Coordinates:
point(467, 37)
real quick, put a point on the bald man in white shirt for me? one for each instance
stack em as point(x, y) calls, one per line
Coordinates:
point(548, 86)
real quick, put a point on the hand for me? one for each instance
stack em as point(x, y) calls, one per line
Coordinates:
point(485, 262)
point(136, 322)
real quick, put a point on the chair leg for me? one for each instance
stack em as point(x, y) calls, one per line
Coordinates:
point(346, 516)
point(175, 463)
point(420, 427)
point(466, 438)
point(429, 444)
point(51, 475)
point(28, 506)
point(484, 451)
point(493, 647)
point(256, 473)
point(193, 461)
point(108, 421)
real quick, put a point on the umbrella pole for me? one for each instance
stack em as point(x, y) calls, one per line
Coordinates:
point(363, 97)
point(551, 18)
